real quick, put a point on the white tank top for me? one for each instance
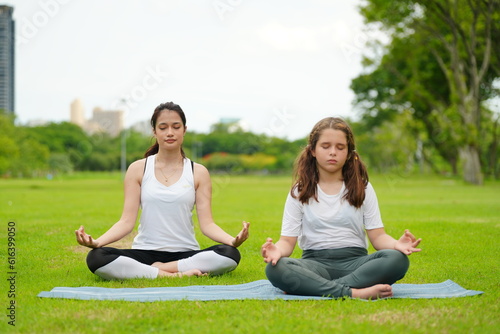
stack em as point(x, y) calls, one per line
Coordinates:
point(166, 222)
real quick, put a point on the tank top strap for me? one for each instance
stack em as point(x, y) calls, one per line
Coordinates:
point(149, 166)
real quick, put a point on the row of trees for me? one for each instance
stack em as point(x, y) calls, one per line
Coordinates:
point(398, 147)
point(64, 147)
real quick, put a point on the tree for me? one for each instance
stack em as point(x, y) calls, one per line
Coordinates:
point(9, 150)
point(63, 138)
point(20, 155)
point(444, 76)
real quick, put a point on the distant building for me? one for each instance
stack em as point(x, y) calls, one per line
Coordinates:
point(77, 115)
point(108, 121)
point(143, 127)
point(230, 125)
point(7, 59)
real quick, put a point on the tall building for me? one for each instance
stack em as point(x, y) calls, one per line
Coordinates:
point(77, 113)
point(7, 58)
point(108, 121)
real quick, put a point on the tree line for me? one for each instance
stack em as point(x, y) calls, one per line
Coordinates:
point(396, 146)
point(64, 147)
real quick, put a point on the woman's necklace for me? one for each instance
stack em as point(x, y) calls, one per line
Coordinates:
point(161, 171)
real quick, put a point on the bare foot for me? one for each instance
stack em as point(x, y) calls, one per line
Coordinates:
point(159, 265)
point(191, 272)
point(373, 292)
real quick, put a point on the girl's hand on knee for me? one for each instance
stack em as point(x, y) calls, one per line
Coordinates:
point(270, 252)
point(407, 243)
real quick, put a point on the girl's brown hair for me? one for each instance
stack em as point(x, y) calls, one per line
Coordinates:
point(164, 106)
point(306, 175)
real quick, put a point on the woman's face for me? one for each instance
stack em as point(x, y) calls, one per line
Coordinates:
point(331, 150)
point(169, 131)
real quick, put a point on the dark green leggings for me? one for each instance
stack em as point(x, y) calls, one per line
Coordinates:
point(333, 272)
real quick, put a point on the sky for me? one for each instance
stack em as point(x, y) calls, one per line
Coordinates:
point(279, 66)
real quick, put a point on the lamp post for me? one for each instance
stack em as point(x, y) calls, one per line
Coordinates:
point(123, 154)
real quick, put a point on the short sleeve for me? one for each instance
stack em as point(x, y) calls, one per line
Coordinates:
point(371, 212)
point(292, 217)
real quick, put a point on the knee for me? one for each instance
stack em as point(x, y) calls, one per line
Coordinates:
point(215, 260)
point(270, 271)
point(99, 257)
point(284, 276)
point(398, 262)
point(276, 272)
point(228, 251)
point(399, 259)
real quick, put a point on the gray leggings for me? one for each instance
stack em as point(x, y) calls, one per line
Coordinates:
point(333, 272)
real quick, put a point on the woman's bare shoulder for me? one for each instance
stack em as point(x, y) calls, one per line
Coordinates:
point(136, 168)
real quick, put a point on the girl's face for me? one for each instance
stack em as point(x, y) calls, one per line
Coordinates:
point(169, 130)
point(331, 151)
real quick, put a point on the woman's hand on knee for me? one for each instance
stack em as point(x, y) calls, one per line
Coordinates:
point(85, 239)
point(242, 236)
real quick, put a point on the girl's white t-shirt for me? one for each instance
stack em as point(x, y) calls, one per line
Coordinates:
point(331, 222)
point(166, 222)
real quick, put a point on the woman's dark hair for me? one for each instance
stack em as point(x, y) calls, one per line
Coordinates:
point(354, 171)
point(164, 106)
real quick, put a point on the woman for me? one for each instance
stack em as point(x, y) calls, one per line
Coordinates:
point(328, 211)
point(166, 185)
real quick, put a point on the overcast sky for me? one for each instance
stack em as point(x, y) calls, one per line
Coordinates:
point(279, 65)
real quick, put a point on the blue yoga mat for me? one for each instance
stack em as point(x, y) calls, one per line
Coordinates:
point(261, 289)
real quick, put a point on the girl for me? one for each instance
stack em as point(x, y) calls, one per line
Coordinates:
point(329, 208)
point(166, 185)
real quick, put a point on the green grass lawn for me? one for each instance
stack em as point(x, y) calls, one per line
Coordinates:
point(459, 225)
